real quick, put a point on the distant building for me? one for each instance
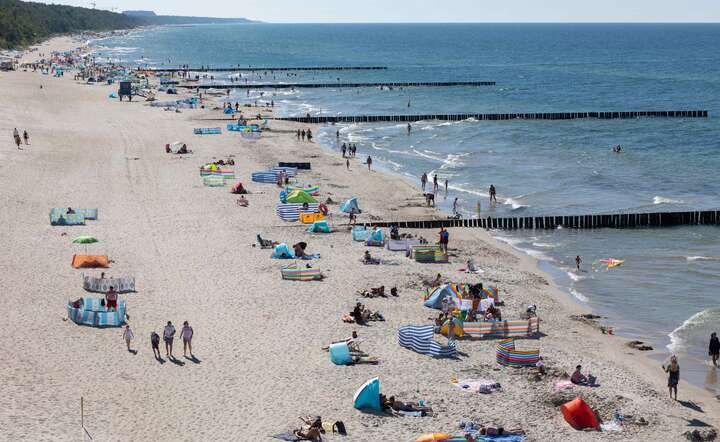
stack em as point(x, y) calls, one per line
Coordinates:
point(7, 64)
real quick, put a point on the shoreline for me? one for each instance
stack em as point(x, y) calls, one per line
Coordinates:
point(187, 208)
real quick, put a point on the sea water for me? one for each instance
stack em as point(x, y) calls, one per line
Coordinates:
point(666, 292)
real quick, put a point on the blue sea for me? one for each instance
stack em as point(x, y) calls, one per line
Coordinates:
point(666, 292)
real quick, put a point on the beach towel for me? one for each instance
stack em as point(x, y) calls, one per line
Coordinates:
point(243, 128)
point(102, 285)
point(299, 166)
point(483, 386)
point(287, 436)
point(291, 212)
point(420, 339)
point(207, 130)
point(90, 261)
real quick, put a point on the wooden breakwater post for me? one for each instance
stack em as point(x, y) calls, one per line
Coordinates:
point(338, 85)
point(497, 117)
point(597, 221)
point(265, 69)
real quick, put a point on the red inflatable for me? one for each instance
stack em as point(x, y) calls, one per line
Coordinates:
point(579, 415)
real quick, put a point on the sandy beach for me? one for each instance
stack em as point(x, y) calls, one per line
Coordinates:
point(258, 338)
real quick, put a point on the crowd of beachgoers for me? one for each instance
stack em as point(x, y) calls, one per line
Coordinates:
point(293, 300)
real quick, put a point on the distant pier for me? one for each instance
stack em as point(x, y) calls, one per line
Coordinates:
point(267, 69)
point(337, 85)
point(499, 117)
point(613, 221)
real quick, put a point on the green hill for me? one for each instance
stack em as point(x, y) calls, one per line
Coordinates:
point(25, 23)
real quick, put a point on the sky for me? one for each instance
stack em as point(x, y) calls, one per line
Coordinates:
point(366, 11)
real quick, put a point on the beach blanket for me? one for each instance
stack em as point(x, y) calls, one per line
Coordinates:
point(207, 131)
point(401, 245)
point(502, 329)
point(506, 354)
point(102, 285)
point(213, 181)
point(291, 212)
point(420, 339)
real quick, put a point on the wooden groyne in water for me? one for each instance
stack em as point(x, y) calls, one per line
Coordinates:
point(613, 221)
point(267, 69)
point(338, 85)
point(499, 117)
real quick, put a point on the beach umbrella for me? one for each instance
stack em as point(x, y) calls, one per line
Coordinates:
point(85, 239)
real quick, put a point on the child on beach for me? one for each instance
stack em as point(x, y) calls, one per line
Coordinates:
point(673, 371)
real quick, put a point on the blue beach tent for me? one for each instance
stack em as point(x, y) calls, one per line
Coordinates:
point(350, 206)
point(340, 354)
point(368, 396)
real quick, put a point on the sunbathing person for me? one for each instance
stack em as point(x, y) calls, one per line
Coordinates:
point(183, 149)
point(471, 268)
point(313, 431)
point(299, 249)
point(70, 211)
point(78, 303)
point(393, 405)
point(242, 201)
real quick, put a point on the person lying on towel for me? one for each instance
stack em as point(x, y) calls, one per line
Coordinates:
point(391, 405)
point(312, 430)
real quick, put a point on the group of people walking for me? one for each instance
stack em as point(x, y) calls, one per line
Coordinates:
point(305, 135)
point(168, 335)
point(18, 140)
point(349, 150)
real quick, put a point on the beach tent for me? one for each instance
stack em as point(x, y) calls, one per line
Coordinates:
point(310, 190)
point(299, 197)
point(506, 354)
point(90, 261)
point(376, 238)
point(451, 291)
point(368, 396)
point(420, 339)
point(282, 251)
point(579, 415)
point(320, 227)
point(340, 354)
point(350, 206)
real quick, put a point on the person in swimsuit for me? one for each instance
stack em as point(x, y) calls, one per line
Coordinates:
point(673, 371)
point(155, 344)
point(714, 348)
point(111, 299)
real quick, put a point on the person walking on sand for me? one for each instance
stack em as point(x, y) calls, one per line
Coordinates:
point(343, 149)
point(673, 371)
point(155, 344)
point(298, 134)
point(714, 348)
point(493, 193)
point(187, 334)
point(128, 336)
point(168, 336)
point(347, 163)
point(455, 207)
point(309, 136)
point(444, 239)
point(435, 183)
point(423, 180)
point(302, 134)
point(369, 162)
point(578, 261)
point(26, 137)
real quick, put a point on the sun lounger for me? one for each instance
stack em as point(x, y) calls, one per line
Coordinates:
point(102, 285)
point(420, 339)
point(506, 354)
point(502, 329)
